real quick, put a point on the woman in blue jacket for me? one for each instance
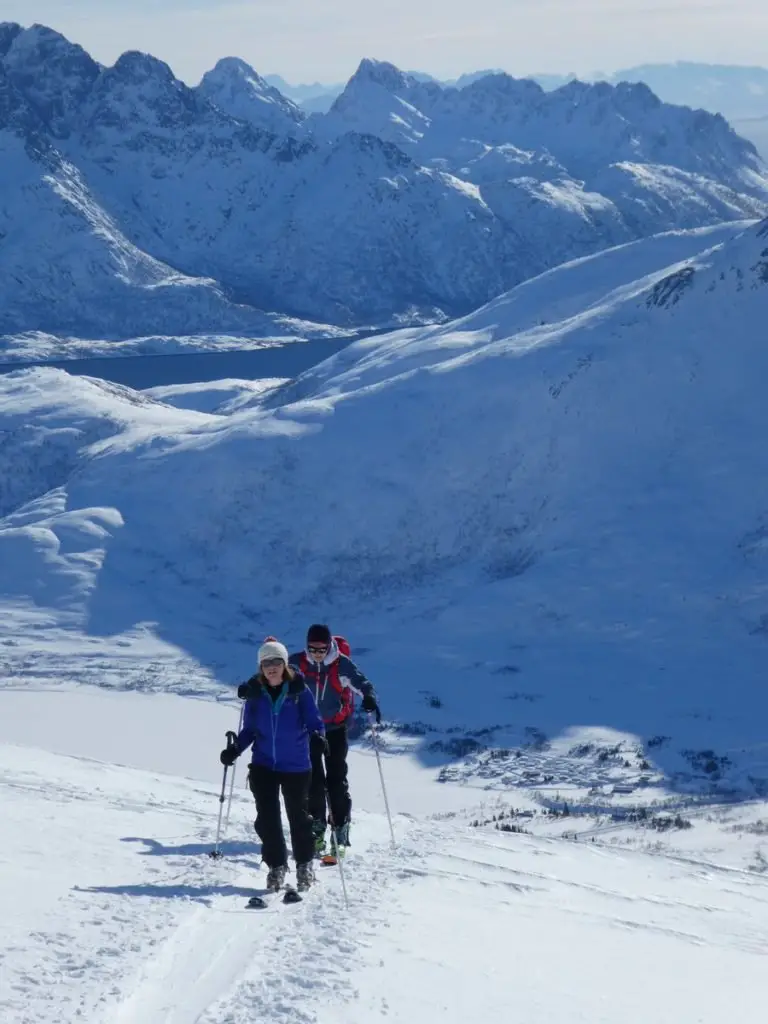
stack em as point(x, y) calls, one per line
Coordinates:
point(280, 717)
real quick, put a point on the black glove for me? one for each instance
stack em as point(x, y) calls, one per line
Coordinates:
point(370, 705)
point(319, 743)
point(229, 755)
point(243, 691)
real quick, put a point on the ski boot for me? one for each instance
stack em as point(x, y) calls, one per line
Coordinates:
point(276, 878)
point(305, 876)
point(318, 834)
point(339, 843)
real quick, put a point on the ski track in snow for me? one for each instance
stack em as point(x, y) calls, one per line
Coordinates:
point(143, 928)
point(264, 965)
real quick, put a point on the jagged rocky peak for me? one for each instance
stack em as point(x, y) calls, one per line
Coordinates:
point(236, 88)
point(371, 87)
point(134, 66)
point(638, 94)
point(235, 71)
point(140, 89)
point(381, 72)
point(52, 73)
point(238, 71)
point(8, 32)
point(500, 83)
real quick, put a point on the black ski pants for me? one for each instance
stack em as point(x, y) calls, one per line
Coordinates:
point(266, 786)
point(330, 771)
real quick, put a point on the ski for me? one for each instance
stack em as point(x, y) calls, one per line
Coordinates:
point(331, 859)
point(261, 902)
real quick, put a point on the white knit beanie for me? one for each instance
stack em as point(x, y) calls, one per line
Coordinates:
point(273, 649)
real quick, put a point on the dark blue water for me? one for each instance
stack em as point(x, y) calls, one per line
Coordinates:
point(140, 372)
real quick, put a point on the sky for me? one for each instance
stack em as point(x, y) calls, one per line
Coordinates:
point(324, 40)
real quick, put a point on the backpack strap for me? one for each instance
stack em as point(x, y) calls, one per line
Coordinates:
point(346, 694)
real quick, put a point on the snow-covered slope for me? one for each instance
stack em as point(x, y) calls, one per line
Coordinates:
point(560, 498)
point(68, 267)
point(124, 919)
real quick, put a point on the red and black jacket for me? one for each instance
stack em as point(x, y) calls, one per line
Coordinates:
point(333, 683)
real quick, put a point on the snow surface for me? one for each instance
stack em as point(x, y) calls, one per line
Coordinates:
point(217, 396)
point(114, 914)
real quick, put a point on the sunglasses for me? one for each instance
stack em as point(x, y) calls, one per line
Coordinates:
point(272, 662)
point(317, 650)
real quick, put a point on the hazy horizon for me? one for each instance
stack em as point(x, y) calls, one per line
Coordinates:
point(306, 43)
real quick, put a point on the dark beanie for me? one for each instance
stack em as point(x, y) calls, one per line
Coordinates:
point(319, 635)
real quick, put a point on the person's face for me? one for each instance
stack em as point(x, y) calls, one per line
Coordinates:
point(317, 651)
point(273, 669)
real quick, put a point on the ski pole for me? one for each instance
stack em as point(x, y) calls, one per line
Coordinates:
point(216, 852)
point(335, 851)
point(232, 780)
point(383, 787)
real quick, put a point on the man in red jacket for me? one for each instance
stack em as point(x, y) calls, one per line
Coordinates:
point(333, 679)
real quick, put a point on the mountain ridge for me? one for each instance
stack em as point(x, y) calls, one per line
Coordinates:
point(420, 203)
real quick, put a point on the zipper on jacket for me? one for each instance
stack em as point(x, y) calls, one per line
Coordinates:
point(275, 712)
point(325, 683)
point(319, 694)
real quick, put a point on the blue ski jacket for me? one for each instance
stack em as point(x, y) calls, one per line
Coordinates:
point(279, 728)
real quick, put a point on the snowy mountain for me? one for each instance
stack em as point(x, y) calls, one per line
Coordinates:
point(195, 189)
point(585, 129)
point(238, 90)
point(575, 496)
point(583, 126)
point(567, 171)
point(93, 280)
point(739, 93)
point(179, 211)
